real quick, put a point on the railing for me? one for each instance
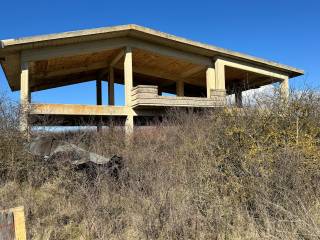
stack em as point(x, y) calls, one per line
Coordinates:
point(147, 96)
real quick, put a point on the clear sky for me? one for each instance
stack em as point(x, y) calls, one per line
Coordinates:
point(285, 31)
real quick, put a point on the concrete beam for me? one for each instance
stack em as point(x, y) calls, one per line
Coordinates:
point(170, 52)
point(90, 67)
point(80, 110)
point(248, 67)
point(72, 50)
point(117, 58)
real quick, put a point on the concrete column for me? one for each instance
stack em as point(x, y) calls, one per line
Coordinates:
point(220, 75)
point(25, 98)
point(99, 100)
point(129, 125)
point(238, 98)
point(128, 84)
point(99, 92)
point(284, 89)
point(128, 77)
point(210, 80)
point(180, 88)
point(111, 86)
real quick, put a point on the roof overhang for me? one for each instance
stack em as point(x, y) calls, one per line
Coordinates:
point(13, 47)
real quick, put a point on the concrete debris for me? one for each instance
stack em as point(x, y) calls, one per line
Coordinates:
point(52, 150)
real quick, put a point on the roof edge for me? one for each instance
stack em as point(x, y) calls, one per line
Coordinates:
point(16, 44)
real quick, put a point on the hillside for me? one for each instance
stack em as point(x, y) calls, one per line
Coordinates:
point(250, 174)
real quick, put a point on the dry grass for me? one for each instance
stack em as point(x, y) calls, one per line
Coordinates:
point(253, 174)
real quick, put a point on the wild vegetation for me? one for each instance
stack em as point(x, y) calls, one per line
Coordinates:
point(221, 174)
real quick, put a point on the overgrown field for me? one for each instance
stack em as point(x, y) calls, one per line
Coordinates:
point(250, 174)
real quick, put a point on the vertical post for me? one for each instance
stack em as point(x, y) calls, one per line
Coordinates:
point(284, 89)
point(99, 100)
point(180, 88)
point(25, 98)
point(99, 92)
point(128, 84)
point(111, 86)
point(210, 80)
point(238, 98)
point(220, 75)
point(128, 78)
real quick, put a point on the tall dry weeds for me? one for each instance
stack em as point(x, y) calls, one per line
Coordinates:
point(221, 174)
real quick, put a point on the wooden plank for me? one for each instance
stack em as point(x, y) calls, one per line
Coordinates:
point(7, 231)
point(12, 224)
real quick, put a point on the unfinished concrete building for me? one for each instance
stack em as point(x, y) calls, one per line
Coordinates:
point(146, 61)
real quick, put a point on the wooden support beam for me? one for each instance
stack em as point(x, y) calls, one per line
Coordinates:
point(111, 86)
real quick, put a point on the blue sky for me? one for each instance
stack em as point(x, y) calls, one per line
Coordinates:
point(284, 31)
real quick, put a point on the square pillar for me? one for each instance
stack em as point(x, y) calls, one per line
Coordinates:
point(220, 75)
point(99, 100)
point(25, 97)
point(284, 89)
point(210, 80)
point(99, 92)
point(111, 86)
point(128, 75)
point(128, 85)
point(180, 88)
